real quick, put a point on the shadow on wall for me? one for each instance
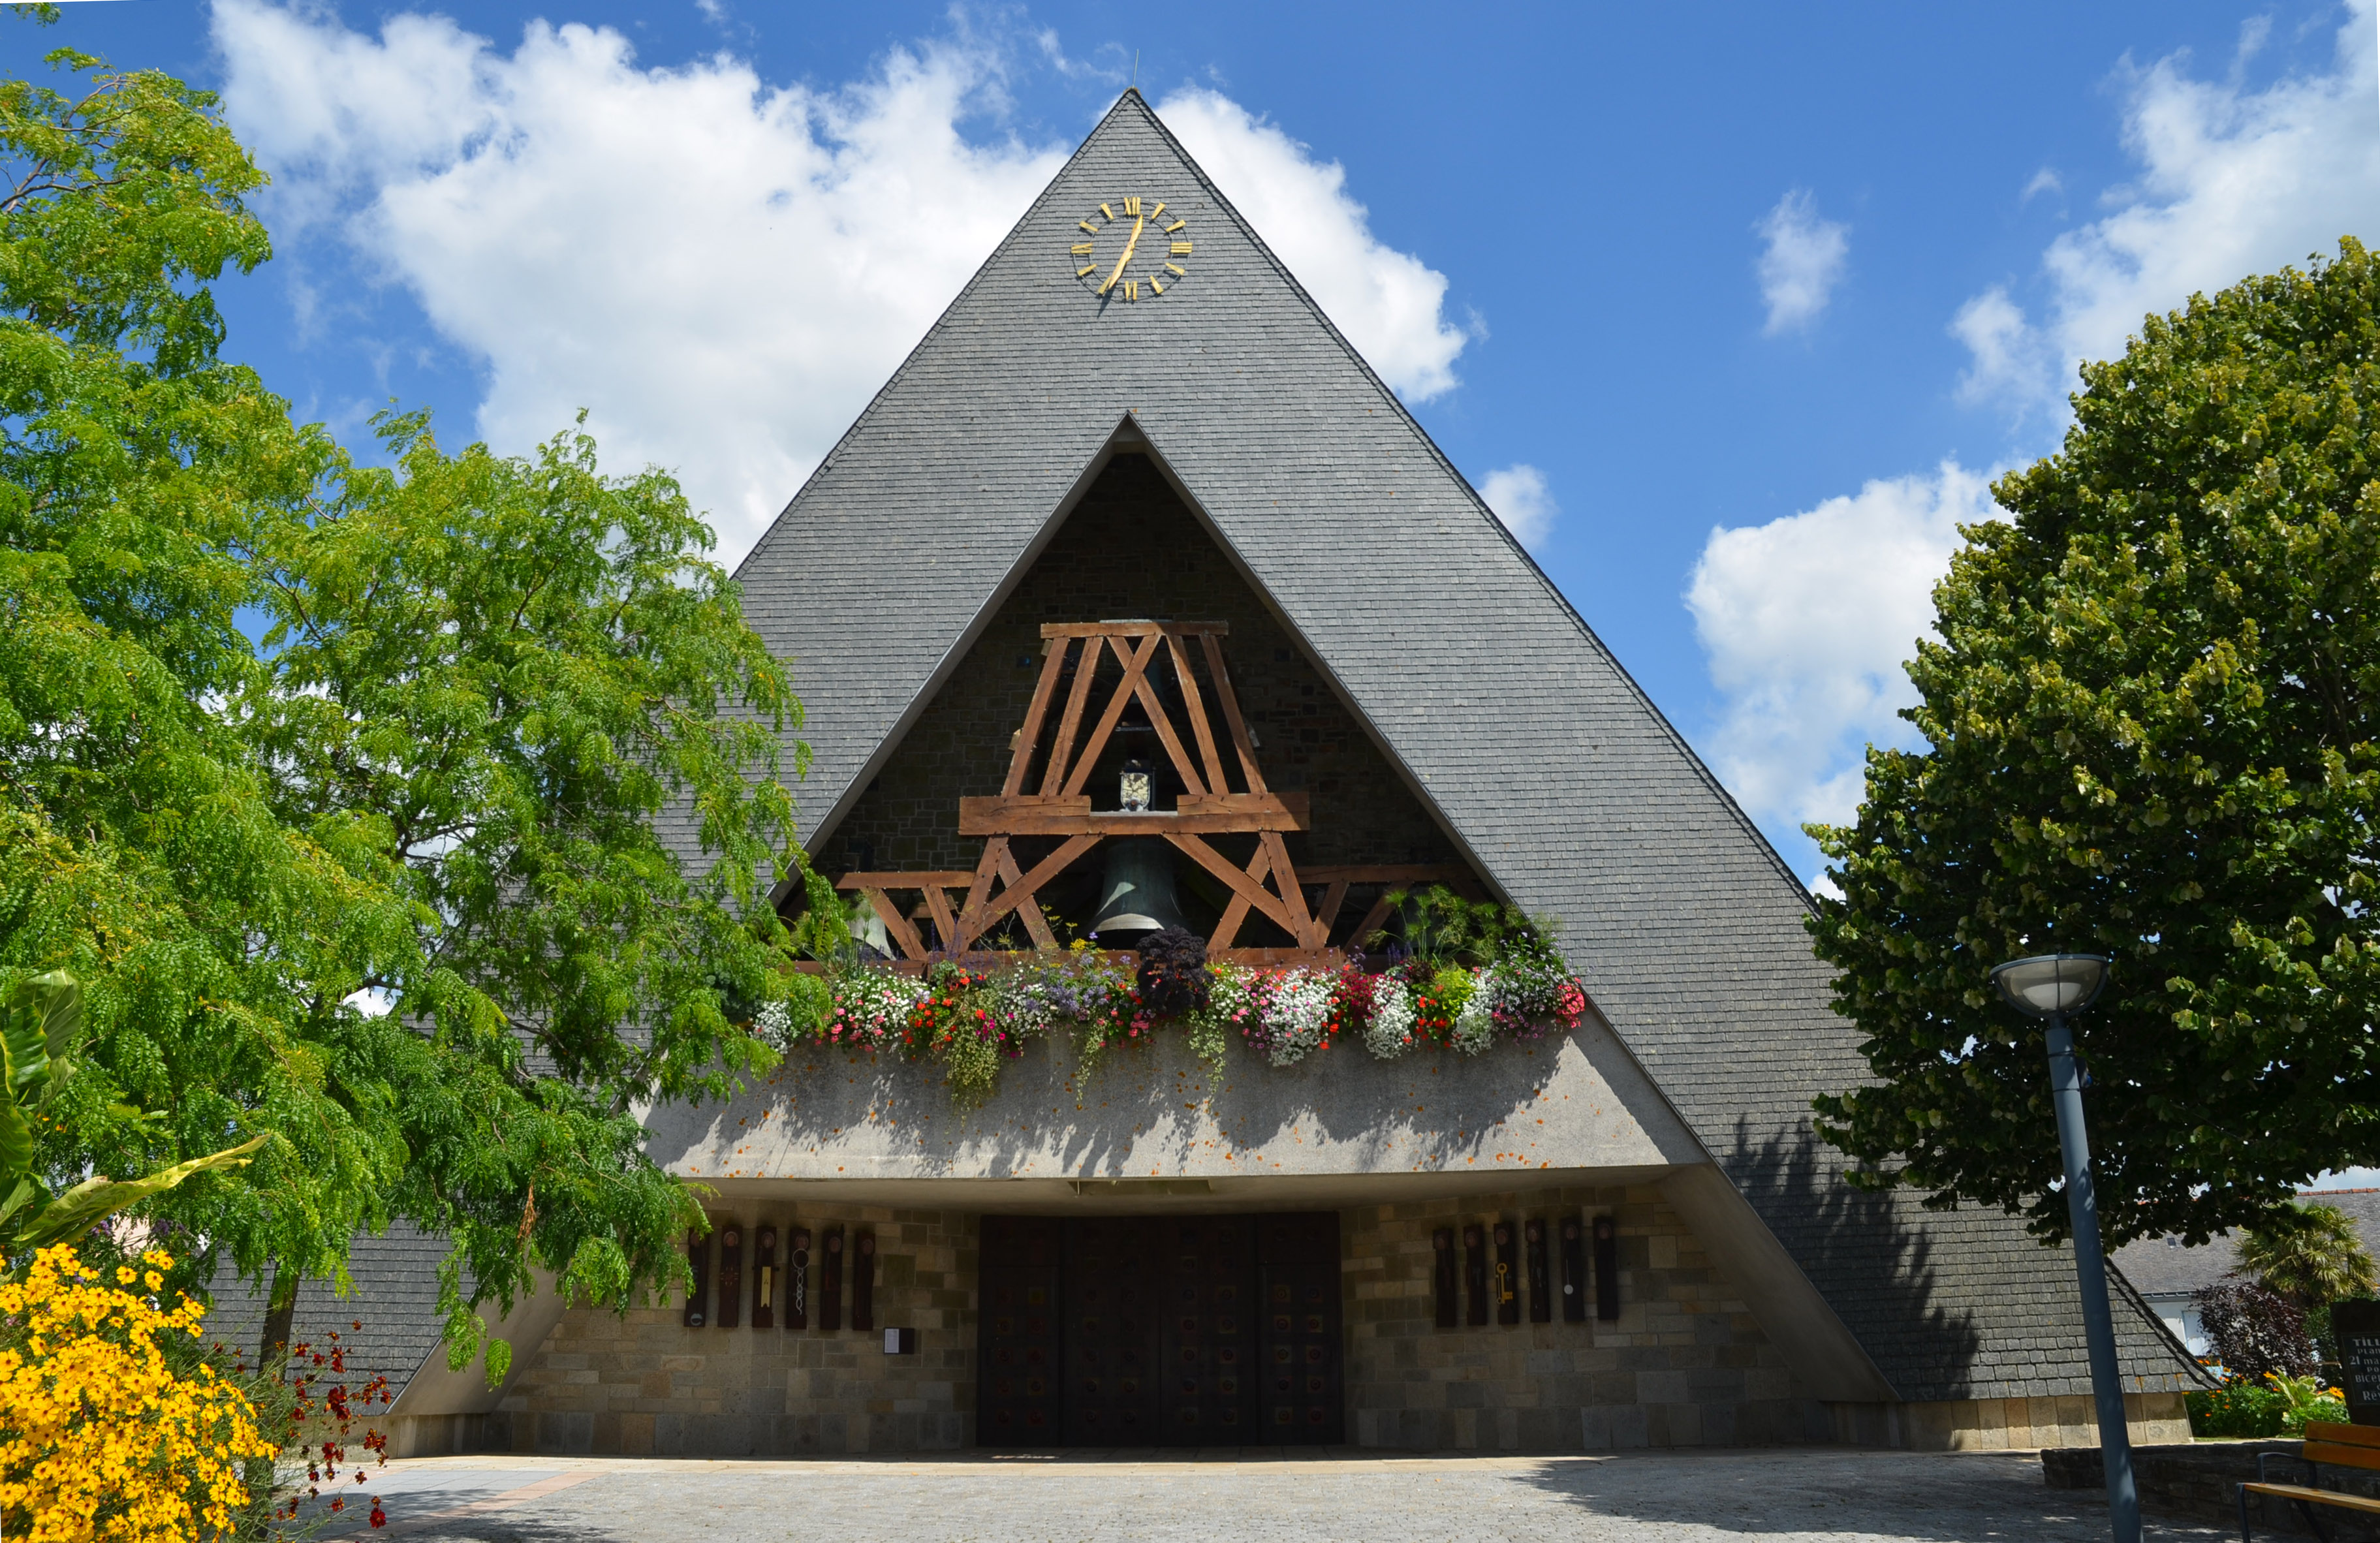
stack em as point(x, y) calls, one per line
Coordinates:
point(1867, 1255)
point(1159, 1106)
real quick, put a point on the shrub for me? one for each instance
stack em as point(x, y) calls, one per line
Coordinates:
point(2255, 1329)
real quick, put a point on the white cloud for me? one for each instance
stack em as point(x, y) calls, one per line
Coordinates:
point(1521, 499)
point(2233, 182)
point(1807, 620)
point(2043, 181)
point(1802, 263)
point(1389, 303)
point(722, 270)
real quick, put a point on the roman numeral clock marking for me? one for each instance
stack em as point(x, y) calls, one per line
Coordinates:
point(1131, 250)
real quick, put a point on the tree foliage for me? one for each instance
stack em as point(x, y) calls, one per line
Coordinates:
point(436, 883)
point(2255, 1332)
point(2150, 726)
point(2311, 1255)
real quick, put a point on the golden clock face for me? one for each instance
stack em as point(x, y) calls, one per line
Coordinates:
point(1130, 250)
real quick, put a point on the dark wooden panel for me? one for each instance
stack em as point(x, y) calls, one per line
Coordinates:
point(830, 1313)
point(731, 1276)
point(797, 1278)
point(1442, 1288)
point(1607, 1270)
point(863, 1281)
point(1574, 1260)
point(1020, 1368)
point(697, 1294)
point(1541, 1290)
point(1299, 1336)
point(765, 1285)
point(1474, 1274)
point(1208, 1334)
point(1111, 1284)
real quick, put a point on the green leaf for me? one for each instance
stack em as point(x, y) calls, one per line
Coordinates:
point(86, 1203)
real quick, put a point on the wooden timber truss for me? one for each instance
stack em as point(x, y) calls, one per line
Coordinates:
point(1056, 805)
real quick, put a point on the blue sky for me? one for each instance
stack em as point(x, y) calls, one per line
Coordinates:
point(1732, 311)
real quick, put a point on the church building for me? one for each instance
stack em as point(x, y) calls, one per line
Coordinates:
point(1134, 580)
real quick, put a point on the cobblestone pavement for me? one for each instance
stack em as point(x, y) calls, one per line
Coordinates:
point(1778, 1496)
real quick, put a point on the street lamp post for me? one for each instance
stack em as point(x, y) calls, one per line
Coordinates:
point(2056, 987)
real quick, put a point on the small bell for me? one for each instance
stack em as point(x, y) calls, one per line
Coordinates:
point(1137, 891)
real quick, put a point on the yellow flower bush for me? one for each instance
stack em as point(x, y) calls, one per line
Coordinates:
point(100, 1438)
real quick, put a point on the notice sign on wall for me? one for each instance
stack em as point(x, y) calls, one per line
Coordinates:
point(2356, 1326)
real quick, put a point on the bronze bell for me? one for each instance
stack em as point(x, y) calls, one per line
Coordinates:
point(1136, 893)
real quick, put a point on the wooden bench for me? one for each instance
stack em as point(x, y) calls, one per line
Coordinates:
point(2342, 1446)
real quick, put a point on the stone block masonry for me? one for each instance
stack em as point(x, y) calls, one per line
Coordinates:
point(1686, 1363)
point(645, 1385)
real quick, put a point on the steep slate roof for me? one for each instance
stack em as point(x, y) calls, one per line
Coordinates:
point(1541, 754)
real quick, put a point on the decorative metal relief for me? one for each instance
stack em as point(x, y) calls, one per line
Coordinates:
point(1607, 1270)
point(831, 1279)
point(1541, 1295)
point(764, 1278)
point(1442, 1244)
point(697, 1258)
point(797, 1278)
point(1475, 1273)
point(863, 1281)
point(731, 1276)
point(1508, 1272)
point(1574, 1260)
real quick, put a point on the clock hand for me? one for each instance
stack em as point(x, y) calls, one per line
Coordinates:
point(1128, 247)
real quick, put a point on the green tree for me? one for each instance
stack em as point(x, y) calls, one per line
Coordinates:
point(2149, 719)
point(440, 883)
point(2311, 1255)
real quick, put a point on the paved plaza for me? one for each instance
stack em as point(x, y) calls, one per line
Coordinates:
point(1776, 1495)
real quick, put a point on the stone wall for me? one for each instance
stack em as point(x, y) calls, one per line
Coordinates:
point(646, 1385)
point(2202, 1480)
point(1686, 1364)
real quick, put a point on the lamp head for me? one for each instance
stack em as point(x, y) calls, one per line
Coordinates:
point(2051, 985)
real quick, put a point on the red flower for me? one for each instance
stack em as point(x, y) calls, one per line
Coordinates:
point(378, 1517)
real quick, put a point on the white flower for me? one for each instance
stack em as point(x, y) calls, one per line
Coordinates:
point(773, 1025)
point(1390, 1032)
point(1296, 1013)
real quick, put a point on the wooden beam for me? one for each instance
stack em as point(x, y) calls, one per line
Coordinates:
point(1135, 629)
point(1332, 898)
point(1015, 894)
point(1294, 807)
point(1374, 919)
point(1232, 718)
point(946, 926)
point(1292, 894)
point(1035, 924)
point(1062, 750)
point(1116, 822)
point(1243, 883)
point(1020, 760)
point(1227, 931)
point(1195, 706)
point(979, 888)
point(1163, 722)
point(1136, 661)
point(895, 923)
point(905, 880)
